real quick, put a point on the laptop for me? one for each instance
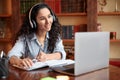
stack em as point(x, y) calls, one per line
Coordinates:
point(91, 53)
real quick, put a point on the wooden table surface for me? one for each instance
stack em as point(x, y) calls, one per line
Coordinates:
point(110, 73)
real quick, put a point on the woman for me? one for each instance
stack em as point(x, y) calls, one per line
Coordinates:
point(39, 38)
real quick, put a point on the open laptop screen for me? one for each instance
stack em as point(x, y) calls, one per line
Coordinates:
point(91, 53)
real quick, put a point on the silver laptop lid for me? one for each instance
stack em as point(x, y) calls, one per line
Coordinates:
point(91, 51)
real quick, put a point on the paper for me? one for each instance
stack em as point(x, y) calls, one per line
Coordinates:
point(48, 78)
point(59, 62)
point(49, 63)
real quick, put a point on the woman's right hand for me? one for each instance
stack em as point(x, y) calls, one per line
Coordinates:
point(25, 63)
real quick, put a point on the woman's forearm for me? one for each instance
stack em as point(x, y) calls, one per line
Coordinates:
point(54, 56)
point(14, 60)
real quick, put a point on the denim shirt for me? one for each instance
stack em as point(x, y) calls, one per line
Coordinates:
point(30, 47)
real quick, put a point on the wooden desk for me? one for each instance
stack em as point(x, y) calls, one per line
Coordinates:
point(111, 73)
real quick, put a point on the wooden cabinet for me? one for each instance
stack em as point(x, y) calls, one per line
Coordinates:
point(5, 24)
point(10, 21)
point(5, 8)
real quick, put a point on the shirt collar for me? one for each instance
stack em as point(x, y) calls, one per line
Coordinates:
point(33, 36)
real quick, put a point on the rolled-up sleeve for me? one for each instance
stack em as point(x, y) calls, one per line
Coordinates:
point(60, 48)
point(17, 50)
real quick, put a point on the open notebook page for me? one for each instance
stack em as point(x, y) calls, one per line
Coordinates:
point(49, 63)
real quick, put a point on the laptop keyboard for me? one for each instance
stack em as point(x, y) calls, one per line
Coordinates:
point(69, 66)
point(65, 69)
point(69, 70)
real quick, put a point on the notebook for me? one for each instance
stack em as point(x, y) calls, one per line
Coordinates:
point(91, 53)
point(49, 63)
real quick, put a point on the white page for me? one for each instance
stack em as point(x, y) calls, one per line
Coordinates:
point(49, 63)
point(59, 62)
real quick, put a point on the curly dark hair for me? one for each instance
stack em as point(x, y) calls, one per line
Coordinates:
point(26, 29)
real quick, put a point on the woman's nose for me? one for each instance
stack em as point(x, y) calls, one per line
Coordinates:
point(47, 20)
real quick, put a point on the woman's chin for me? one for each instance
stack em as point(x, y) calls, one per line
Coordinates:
point(48, 29)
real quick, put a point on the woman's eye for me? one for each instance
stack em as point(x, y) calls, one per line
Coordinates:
point(42, 18)
point(49, 16)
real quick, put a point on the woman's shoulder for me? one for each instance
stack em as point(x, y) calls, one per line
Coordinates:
point(30, 36)
point(21, 38)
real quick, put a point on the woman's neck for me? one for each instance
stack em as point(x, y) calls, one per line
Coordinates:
point(41, 37)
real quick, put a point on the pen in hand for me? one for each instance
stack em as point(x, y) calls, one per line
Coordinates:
point(34, 60)
point(42, 56)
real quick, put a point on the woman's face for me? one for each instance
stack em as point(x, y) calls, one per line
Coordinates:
point(44, 20)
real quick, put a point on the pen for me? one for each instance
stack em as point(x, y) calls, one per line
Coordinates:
point(35, 59)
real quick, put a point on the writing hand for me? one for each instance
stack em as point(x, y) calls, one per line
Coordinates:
point(42, 57)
